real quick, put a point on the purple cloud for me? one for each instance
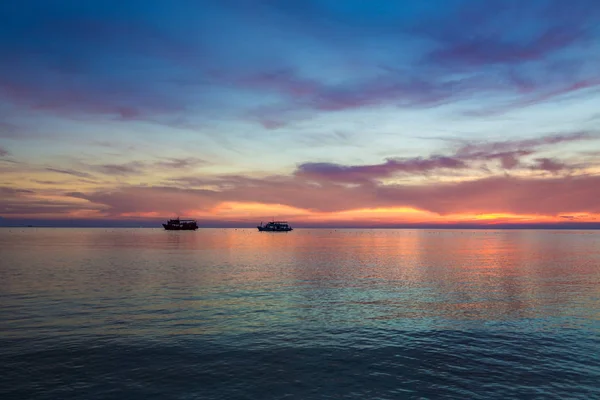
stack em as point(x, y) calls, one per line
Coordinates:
point(362, 173)
point(508, 153)
point(476, 35)
point(524, 146)
point(69, 98)
point(430, 86)
point(540, 196)
point(502, 195)
point(180, 163)
point(14, 202)
point(71, 61)
point(272, 124)
point(389, 88)
point(549, 165)
point(537, 93)
point(132, 168)
point(79, 174)
point(484, 51)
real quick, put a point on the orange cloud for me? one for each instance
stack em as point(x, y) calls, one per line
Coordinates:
point(321, 193)
point(482, 200)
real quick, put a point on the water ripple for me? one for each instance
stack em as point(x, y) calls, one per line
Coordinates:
point(228, 314)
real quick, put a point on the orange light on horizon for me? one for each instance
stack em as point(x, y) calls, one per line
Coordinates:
point(240, 211)
point(255, 212)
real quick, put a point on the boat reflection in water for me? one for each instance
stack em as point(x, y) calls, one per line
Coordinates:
point(275, 226)
point(181, 225)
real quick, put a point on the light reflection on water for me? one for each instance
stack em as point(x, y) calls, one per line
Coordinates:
point(354, 313)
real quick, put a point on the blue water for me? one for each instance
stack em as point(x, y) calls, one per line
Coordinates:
point(311, 314)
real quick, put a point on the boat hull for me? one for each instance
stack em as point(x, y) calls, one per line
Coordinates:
point(179, 228)
point(263, 229)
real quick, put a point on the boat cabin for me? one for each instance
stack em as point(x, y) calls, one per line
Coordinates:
point(181, 224)
point(275, 226)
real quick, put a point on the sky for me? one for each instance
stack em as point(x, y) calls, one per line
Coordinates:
point(354, 113)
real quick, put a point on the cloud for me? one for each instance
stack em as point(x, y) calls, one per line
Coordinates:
point(180, 163)
point(335, 139)
point(525, 196)
point(539, 93)
point(17, 202)
point(361, 173)
point(502, 195)
point(163, 200)
point(5, 190)
point(232, 57)
point(472, 55)
point(509, 160)
point(273, 63)
point(486, 148)
point(484, 50)
point(131, 168)
point(268, 123)
point(74, 62)
point(69, 99)
point(323, 187)
point(476, 34)
point(549, 165)
point(72, 172)
point(510, 152)
point(540, 59)
point(145, 167)
point(424, 88)
point(329, 187)
point(388, 88)
point(272, 190)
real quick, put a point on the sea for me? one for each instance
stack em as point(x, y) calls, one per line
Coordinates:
point(310, 314)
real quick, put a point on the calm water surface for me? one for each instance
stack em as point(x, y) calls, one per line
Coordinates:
point(312, 314)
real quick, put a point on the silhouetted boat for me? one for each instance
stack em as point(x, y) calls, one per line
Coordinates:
point(275, 226)
point(180, 225)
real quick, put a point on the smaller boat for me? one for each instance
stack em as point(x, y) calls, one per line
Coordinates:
point(275, 226)
point(180, 225)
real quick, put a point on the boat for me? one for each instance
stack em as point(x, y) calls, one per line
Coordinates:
point(275, 226)
point(180, 225)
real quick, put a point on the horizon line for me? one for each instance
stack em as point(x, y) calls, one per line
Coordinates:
point(132, 223)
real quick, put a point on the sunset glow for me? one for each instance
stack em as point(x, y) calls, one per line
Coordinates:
point(320, 113)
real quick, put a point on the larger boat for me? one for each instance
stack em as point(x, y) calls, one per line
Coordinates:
point(275, 226)
point(180, 225)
